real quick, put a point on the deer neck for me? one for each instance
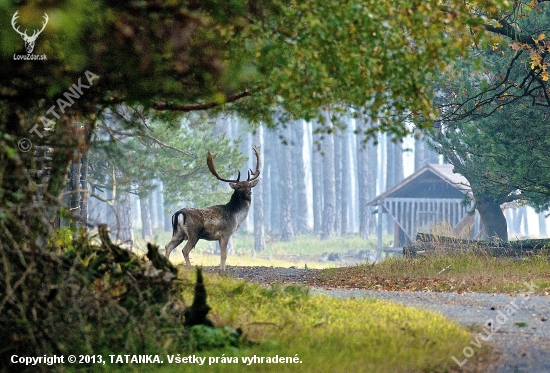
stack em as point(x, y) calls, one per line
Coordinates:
point(239, 204)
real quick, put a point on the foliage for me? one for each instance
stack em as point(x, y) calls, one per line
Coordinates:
point(494, 115)
point(505, 154)
point(203, 337)
point(172, 151)
point(92, 298)
point(300, 55)
point(512, 70)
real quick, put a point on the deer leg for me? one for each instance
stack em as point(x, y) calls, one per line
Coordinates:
point(190, 245)
point(174, 242)
point(223, 252)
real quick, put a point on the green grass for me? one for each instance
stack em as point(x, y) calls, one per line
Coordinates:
point(326, 334)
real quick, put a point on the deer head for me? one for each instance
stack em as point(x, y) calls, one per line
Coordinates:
point(29, 40)
point(243, 187)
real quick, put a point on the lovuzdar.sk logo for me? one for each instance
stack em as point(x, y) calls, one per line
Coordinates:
point(29, 40)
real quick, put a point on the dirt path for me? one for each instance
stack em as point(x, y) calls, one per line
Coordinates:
point(518, 326)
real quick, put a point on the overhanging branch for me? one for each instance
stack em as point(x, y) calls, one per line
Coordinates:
point(161, 106)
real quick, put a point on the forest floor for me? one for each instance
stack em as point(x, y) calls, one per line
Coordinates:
point(515, 323)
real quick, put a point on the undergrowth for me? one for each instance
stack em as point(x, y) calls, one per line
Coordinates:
point(323, 333)
point(91, 297)
point(457, 272)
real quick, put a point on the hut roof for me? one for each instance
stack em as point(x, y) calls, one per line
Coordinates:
point(432, 181)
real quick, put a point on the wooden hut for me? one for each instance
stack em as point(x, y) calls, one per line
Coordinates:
point(432, 195)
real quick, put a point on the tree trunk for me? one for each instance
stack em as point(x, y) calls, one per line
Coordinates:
point(394, 172)
point(274, 177)
point(84, 191)
point(159, 212)
point(492, 217)
point(153, 208)
point(285, 187)
point(423, 154)
point(518, 217)
point(299, 205)
point(525, 221)
point(258, 201)
point(329, 190)
point(72, 194)
point(338, 183)
point(372, 179)
point(124, 232)
point(345, 190)
point(317, 181)
point(367, 159)
point(542, 225)
point(145, 207)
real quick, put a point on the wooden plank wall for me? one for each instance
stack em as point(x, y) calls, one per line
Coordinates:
point(412, 214)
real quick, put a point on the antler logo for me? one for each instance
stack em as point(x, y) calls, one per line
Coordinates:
point(29, 40)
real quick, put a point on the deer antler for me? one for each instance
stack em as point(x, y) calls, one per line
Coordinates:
point(256, 173)
point(210, 162)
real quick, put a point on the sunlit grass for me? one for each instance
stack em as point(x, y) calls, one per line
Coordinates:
point(301, 251)
point(327, 334)
point(204, 259)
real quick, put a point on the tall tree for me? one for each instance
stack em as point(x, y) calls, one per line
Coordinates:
point(485, 111)
point(367, 162)
point(146, 222)
point(423, 154)
point(542, 224)
point(345, 175)
point(258, 199)
point(274, 181)
point(328, 226)
point(338, 182)
point(285, 180)
point(317, 179)
point(299, 205)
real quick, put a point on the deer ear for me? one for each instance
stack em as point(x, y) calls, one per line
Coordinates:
point(253, 183)
point(233, 185)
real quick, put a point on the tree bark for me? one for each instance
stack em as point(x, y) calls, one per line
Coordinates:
point(124, 232)
point(317, 181)
point(144, 204)
point(338, 178)
point(84, 191)
point(525, 222)
point(542, 224)
point(299, 205)
point(492, 217)
point(423, 154)
point(258, 201)
point(285, 187)
point(367, 161)
point(345, 189)
point(329, 187)
point(274, 177)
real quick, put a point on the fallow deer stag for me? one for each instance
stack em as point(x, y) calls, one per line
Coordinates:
point(214, 223)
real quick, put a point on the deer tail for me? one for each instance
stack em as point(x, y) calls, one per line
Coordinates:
point(175, 221)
